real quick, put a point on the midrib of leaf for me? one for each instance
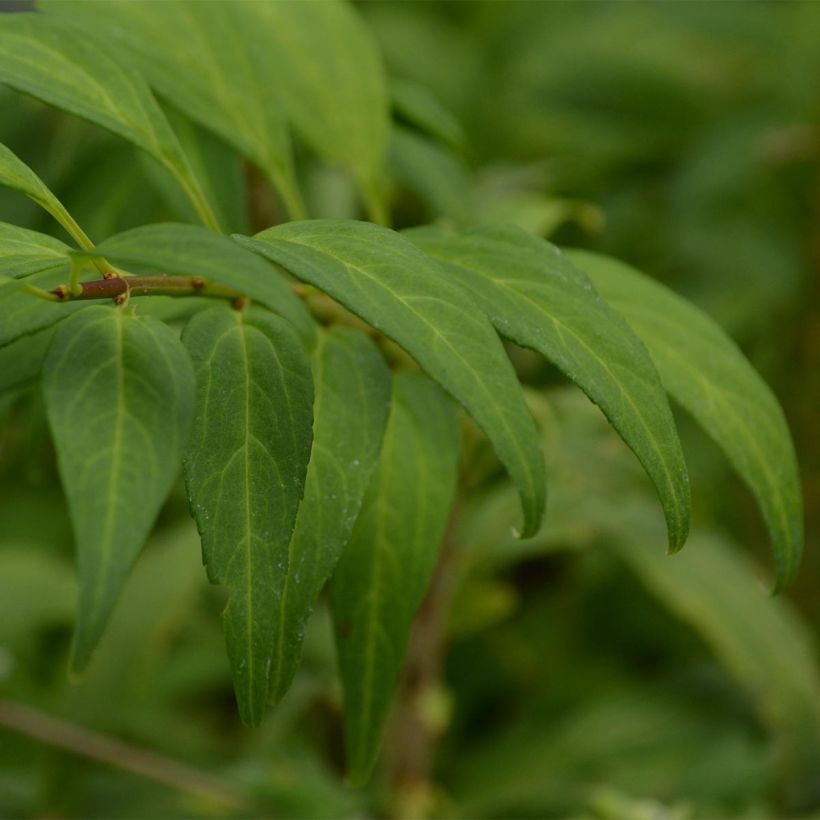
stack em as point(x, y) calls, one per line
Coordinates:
point(436, 334)
point(613, 378)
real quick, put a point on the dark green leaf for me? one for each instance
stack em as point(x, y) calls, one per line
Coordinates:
point(350, 410)
point(119, 392)
point(406, 295)
point(385, 569)
point(65, 66)
point(535, 297)
point(705, 371)
point(187, 250)
point(245, 471)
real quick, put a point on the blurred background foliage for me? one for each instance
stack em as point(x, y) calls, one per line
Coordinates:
point(581, 673)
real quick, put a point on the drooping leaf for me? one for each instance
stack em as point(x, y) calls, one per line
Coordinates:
point(406, 295)
point(332, 83)
point(536, 298)
point(67, 67)
point(118, 392)
point(245, 471)
point(413, 103)
point(235, 92)
point(15, 174)
point(705, 371)
point(385, 569)
point(187, 250)
point(352, 386)
point(23, 252)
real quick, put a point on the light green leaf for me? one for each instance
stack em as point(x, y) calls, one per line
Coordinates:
point(350, 411)
point(235, 92)
point(118, 392)
point(385, 569)
point(333, 84)
point(187, 250)
point(413, 103)
point(23, 252)
point(64, 66)
point(245, 471)
point(705, 371)
point(406, 295)
point(536, 298)
point(15, 174)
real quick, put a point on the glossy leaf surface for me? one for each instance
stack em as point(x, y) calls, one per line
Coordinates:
point(119, 393)
point(385, 569)
point(535, 297)
point(352, 386)
point(406, 295)
point(245, 471)
point(704, 370)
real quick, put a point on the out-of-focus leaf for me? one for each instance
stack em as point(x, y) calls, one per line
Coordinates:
point(406, 295)
point(535, 297)
point(119, 393)
point(67, 67)
point(235, 92)
point(352, 385)
point(706, 372)
point(245, 471)
point(413, 103)
point(384, 571)
point(187, 250)
point(333, 84)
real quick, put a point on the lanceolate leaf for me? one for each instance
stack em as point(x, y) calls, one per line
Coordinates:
point(187, 250)
point(406, 295)
point(385, 569)
point(332, 82)
point(534, 296)
point(235, 92)
point(23, 252)
point(350, 410)
point(245, 470)
point(413, 103)
point(15, 174)
point(705, 371)
point(118, 392)
point(66, 67)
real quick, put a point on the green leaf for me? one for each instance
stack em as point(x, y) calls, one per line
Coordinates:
point(704, 370)
point(245, 471)
point(333, 84)
point(118, 392)
point(15, 174)
point(536, 298)
point(23, 252)
point(187, 250)
point(235, 92)
point(66, 67)
point(22, 359)
point(385, 569)
point(414, 104)
point(350, 411)
point(406, 295)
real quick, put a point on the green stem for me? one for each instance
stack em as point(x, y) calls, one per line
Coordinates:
point(76, 233)
point(190, 184)
point(374, 203)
